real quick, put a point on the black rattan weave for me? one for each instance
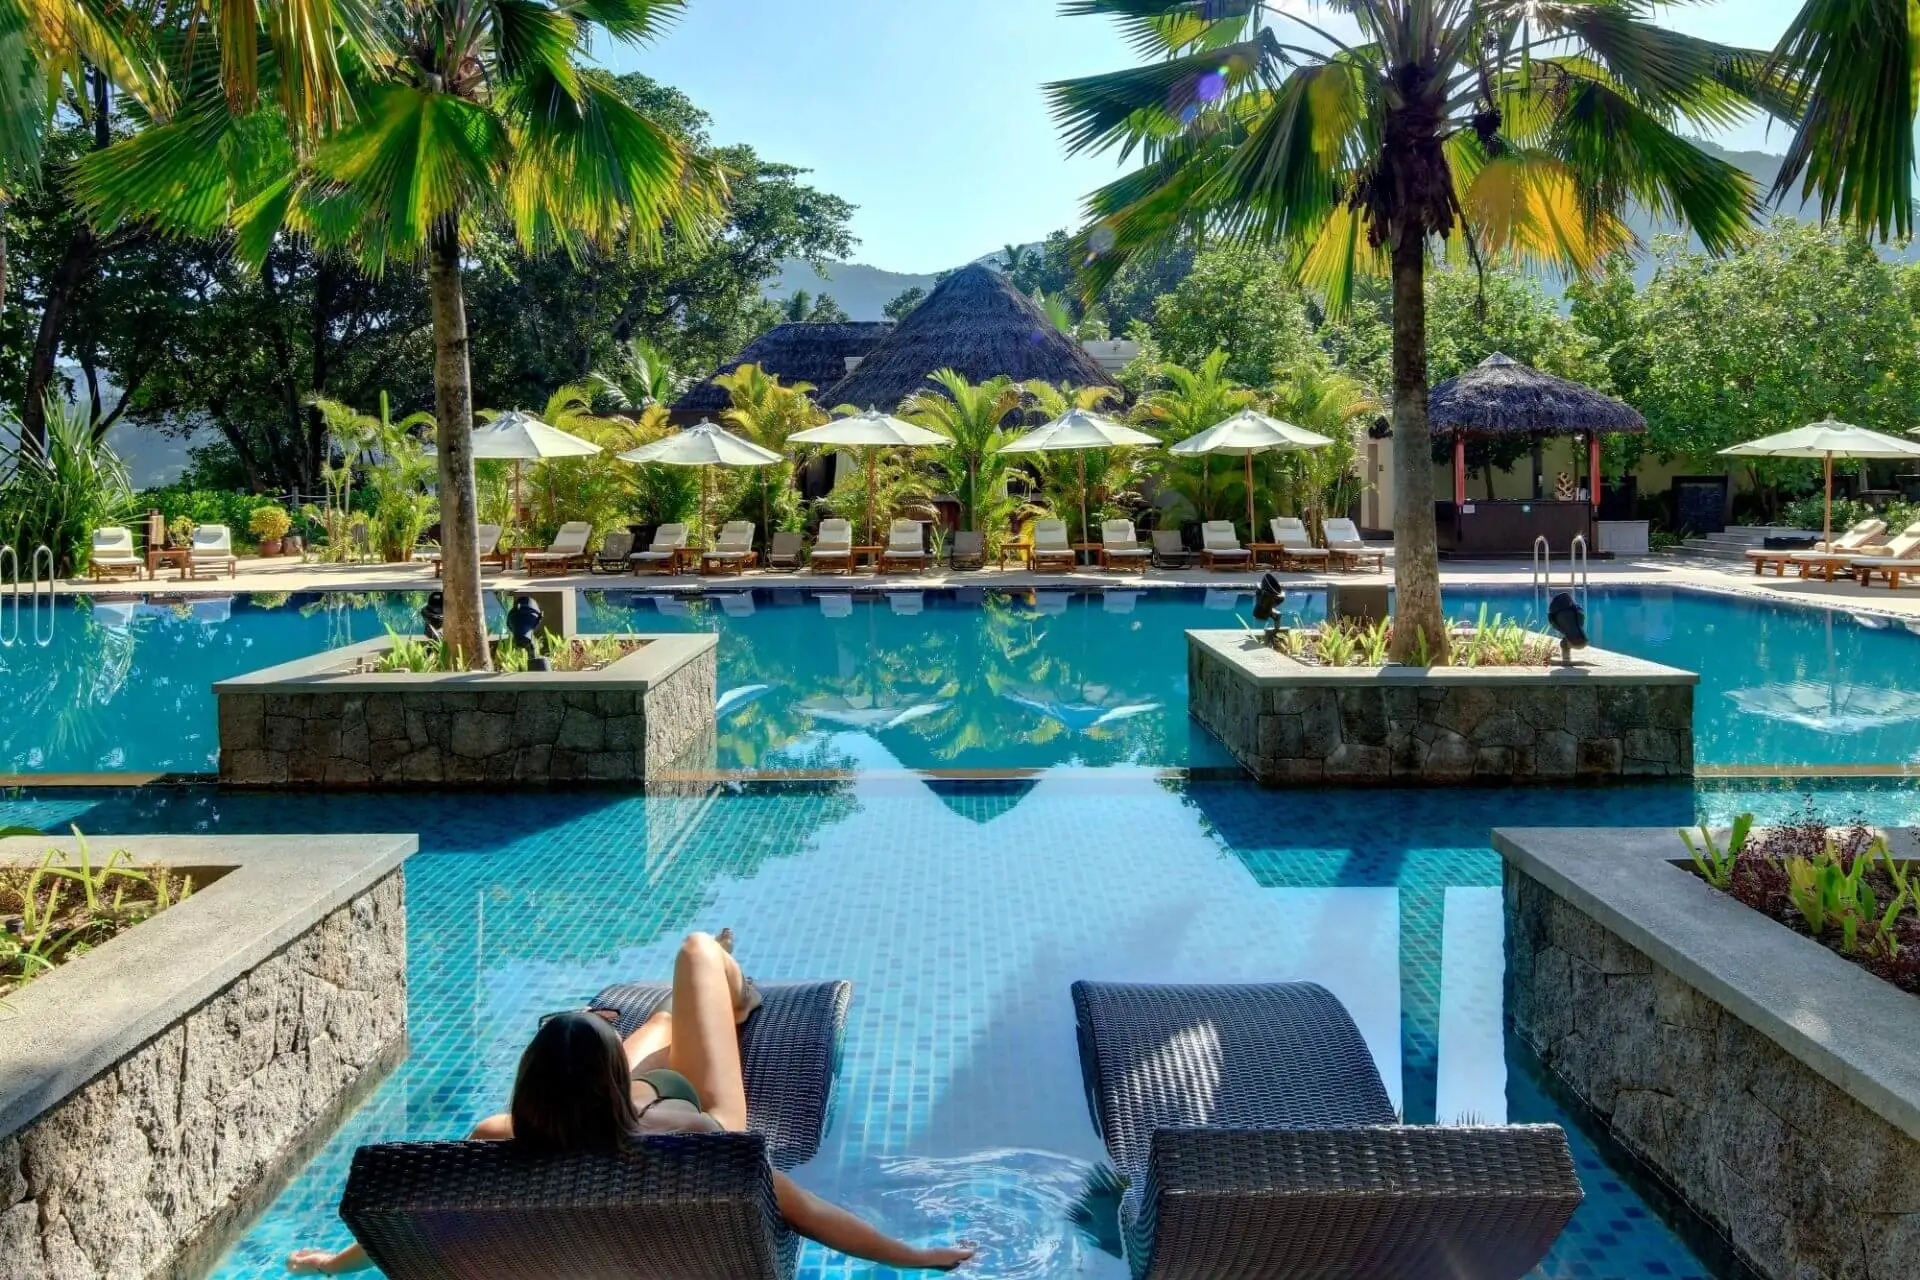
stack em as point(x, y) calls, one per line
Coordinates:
point(790, 1053)
point(1259, 1143)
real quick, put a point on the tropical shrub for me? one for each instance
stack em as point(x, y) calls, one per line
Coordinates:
point(975, 417)
point(767, 412)
point(181, 507)
point(269, 524)
point(58, 493)
point(65, 906)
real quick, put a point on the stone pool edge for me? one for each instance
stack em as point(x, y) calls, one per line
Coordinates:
point(151, 1088)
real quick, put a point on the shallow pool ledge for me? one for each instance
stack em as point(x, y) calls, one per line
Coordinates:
point(1609, 717)
point(320, 722)
point(156, 1092)
point(1772, 1083)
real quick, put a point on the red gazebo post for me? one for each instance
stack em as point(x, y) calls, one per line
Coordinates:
point(1593, 469)
point(1459, 469)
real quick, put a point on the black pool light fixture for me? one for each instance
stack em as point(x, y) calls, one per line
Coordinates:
point(1267, 602)
point(433, 615)
point(523, 620)
point(1569, 621)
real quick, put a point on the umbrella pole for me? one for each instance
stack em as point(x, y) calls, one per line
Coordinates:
point(1252, 535)
point(1086, 529)
point(1827, 533)
point(873, 464)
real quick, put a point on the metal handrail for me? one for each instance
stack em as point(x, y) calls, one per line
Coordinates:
point(9, 556)
point(1578, 574)
point(53, 599)
point(1542, 575)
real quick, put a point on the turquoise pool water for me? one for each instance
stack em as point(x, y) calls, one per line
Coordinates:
point(961, 913)
point(944, 680)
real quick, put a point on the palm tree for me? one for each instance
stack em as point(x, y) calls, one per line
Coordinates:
point(638, 375)
point(1188, 402)
point(461, 111)
point(975, 417)
point(768, 412)
point(1511, 127)
point(1112, 476)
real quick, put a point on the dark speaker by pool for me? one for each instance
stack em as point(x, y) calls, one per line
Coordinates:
point(1789, 542)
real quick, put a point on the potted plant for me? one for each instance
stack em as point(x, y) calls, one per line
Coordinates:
point(180, 532)
point(269, 525)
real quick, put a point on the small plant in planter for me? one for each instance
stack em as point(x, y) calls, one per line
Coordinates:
point(269, 525)
point(180, 532)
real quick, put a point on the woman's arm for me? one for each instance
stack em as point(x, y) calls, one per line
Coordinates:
point(834, 1227)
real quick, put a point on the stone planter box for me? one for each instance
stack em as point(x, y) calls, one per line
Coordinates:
point(156, 1092)
point(1623, 537)
point(316, 722)
point(1609, 717)
point(1774, 1085)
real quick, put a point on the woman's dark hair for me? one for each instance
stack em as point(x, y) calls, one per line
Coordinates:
point(573, 1092)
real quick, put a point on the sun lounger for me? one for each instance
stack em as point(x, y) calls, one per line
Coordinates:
point(1169, 552)
point(616, 549)
point(787, 550)
point(1120, 547)
point(113, 555)
point(1051, 549)
point(1853, 542)
point(969, 551)
point(486, 542)
point(832, 548)
point(1258, 1140)
point(1296, 545)
point(1348, 549)
point(670, 1207)
point(210, 551)
point(568, 552)
point(733, 551)
point(663, 556)
point(1898, 558)
point(906, 545)
point(1219, 544)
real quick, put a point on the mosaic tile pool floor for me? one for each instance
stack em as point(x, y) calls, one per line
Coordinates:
point(962, 914)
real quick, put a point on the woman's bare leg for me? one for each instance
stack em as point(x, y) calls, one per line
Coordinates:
point(706, 1039)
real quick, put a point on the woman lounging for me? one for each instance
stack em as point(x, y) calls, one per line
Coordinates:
point(580, 1088)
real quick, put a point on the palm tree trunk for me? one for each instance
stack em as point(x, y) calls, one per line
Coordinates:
point(466, 619)
point(1416, 555)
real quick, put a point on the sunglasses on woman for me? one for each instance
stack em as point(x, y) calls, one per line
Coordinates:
point(601, 1012)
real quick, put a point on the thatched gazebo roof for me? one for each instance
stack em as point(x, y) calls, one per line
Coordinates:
point(1501, 396)
point(974, 322)
point(815, 354)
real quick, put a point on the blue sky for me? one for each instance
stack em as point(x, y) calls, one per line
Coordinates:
point(928, 113)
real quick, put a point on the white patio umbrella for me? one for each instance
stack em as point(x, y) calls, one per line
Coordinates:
point(1826, 440)
point(702, 445)
point(1077, 432)
point(1243, 435)
point(518, 437)
point(871, 431)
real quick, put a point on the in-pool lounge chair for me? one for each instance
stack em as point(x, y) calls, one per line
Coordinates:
point(113, 555)
point(1219, 545)
point(671, 1207)
point(663, 556)
point(832, 548)
point(969, 551)
point(1051, 550)
point(210, 551)
point(568, 552)
point(1349, 549)
point(616, 550)
point(906, 545)
point(1120, 547)
point(1898, 558)
point(1169, 551)
point(733, 551)
point(787, 551)
point(1296, 545)
point(486, 542)
point(1853, 542)
point(1258, 1140)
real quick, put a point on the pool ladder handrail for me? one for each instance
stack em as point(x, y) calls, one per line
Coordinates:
point(1579, 573)
point(14, 588)
point(10, 586)
point(53, 600)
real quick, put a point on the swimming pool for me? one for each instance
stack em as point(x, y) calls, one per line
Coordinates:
point(946, 680)
point(961, 912)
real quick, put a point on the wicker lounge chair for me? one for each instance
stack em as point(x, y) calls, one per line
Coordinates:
point(615, 550)
point(1219, 544)
point(1051, 549)
point(969, 551)
point(1296, 545)
point(210, 551)
point(1349, 549)
point(733, 551)
point(832, 548)
point(672, 1207)
point(906, 545)
point(1120, 546)
point(1258, 1141)
point(787, 551)
point(663, 556)
point(113, 555)
point(1169, 552)
point(568, 552)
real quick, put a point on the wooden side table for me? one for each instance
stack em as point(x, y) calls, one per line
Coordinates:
point(167, 558)
point(1273, 551)
point(1019, 552)
point(868, 552)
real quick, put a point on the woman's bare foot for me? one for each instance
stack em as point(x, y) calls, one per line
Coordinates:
point(749, 997)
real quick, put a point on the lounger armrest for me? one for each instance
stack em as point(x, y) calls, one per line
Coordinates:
point(790, 1055)
point(1367, 1204)
point(671, 1207)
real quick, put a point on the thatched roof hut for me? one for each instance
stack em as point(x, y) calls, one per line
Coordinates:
point(815, 354)
point(974, 322)
point(1501, 396)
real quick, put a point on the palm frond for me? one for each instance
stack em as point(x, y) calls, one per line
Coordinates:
point(1157, 100)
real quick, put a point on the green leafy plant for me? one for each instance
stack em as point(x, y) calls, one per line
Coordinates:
point(1337, 646)
point(269, 524)
point(1715, 866)
point(509, 658)
point(59, 908)
point(414, 654)
point(60, 489)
